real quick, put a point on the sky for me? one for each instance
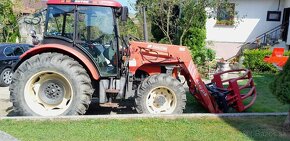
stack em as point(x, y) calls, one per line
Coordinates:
point(128, 3)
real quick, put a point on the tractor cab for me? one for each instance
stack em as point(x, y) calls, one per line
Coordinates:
point(90, 25)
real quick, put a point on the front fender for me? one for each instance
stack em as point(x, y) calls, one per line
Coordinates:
point(72, 52)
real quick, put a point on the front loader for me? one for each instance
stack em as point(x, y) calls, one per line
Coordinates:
point(82, 57)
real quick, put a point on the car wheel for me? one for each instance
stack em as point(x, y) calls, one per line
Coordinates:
point(6, 77)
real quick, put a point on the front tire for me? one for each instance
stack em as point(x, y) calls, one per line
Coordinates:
point(160, 94)
point(50, 84)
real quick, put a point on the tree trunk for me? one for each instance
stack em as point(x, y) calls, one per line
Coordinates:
point(287, 121)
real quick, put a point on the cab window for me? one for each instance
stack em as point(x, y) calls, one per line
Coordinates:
point(60, 21)
point(96, 34)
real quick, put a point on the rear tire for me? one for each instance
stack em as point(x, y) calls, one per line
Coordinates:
point(50, 84)
point(160, 94)
point(5, 77)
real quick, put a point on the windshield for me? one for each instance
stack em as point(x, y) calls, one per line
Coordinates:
point(96, 23)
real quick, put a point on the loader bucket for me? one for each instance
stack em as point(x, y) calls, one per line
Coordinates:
point(241, 90)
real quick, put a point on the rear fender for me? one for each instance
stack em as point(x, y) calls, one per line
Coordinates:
point(72, 52)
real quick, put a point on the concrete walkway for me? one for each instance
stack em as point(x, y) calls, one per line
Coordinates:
point(225, 50)
point(6, 137)
point(144, 116)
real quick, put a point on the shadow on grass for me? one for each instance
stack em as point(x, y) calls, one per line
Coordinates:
point(260, 128)
point(251, 128)
point(266, 101)
point(263, 128)
point(193, 106)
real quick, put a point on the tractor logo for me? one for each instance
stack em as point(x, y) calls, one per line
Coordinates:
point(77, 1)
point(157, 47)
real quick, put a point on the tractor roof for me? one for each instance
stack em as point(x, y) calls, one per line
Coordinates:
point(108, 3)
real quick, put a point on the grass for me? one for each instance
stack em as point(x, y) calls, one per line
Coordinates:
point(265, 102)
point(210, 129)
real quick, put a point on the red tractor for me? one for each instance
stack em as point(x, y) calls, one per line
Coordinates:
point(82, 56)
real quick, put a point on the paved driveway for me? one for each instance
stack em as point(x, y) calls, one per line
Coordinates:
point(226, 50)
point(5, 105)
point(6, 137)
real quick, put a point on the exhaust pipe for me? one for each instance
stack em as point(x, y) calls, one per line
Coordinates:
point(145, 29)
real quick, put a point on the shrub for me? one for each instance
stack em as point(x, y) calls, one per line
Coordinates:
point(253, 60)
point(195, 39)
point(9, 30)
point(280, 88)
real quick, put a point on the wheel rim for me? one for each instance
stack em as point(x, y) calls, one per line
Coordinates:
point(48, 93)
point(161, 100)
point(7, 77)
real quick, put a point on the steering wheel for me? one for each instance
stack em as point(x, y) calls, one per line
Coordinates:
point(134, 38)
point(99, 39)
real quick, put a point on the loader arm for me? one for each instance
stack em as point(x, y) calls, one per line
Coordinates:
point(151, 54)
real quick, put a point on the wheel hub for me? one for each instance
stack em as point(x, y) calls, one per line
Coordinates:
point(159, 101)
point(51, 92)
point(7, 77)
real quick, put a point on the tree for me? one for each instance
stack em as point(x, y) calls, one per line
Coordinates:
point(280, 88)
point(9, 30)
point(183, 23)
point(129, 28)
point(11, 11)
point(175, 17)
point(194, 34)
point(162, 16)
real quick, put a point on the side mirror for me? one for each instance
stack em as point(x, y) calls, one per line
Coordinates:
point(33, 33)
point(124, 13)
point(35, 40)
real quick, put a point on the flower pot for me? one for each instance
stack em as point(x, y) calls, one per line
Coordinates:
point(223, 66)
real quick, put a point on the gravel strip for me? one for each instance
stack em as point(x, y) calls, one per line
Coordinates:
point(144, 116)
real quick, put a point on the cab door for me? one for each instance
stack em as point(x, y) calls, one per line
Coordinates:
point(97, 35)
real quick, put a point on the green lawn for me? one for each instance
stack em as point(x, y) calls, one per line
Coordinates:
point(209, 129)
point(266, 102)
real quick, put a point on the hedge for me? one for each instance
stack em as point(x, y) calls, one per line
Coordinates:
point(280, 86)
point(253, 60)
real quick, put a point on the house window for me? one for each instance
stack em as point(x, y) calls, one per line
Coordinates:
point(274, 16)
point(226, 14)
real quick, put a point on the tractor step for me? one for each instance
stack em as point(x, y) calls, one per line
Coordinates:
point(110, 105)
point(112, 91)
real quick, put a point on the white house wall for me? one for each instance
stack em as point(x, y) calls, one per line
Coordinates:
point(252, 25)
point(287, 3)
